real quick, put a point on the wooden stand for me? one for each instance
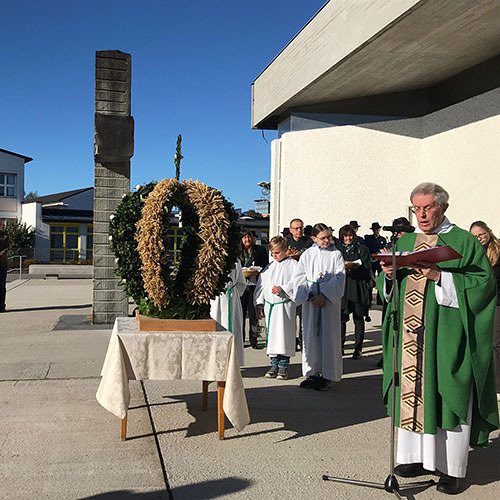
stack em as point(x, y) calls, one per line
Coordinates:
point(204, 405)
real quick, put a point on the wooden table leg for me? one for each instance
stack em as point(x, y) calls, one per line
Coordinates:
point(124, 428)
point(220, 408)
point(204, 404)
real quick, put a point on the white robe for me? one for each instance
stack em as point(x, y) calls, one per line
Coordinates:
point(322, 346)
point(219, 308)
point(280, 318)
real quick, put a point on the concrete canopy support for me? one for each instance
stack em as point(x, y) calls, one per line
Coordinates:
point(113, 148)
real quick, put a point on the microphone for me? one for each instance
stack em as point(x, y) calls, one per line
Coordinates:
point(399, 228)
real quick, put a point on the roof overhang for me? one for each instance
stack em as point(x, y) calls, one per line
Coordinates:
point(403, 58)
point(25, 158)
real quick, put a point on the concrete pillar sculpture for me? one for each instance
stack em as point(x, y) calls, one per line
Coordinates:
point(113, 148)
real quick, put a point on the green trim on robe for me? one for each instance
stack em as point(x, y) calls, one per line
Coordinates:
point(458, 342)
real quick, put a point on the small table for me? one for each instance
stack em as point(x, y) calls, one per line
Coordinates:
point(205, 356)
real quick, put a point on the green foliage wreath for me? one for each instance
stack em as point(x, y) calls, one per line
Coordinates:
point(209, 248)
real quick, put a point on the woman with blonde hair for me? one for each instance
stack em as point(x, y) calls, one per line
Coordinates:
point(491, 244)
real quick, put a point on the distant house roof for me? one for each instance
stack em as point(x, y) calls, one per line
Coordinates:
point(58, 197)
point(25, 158)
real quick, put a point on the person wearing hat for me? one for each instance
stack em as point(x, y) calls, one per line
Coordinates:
point(375, 244)
point(354, 224)
point(286, 233)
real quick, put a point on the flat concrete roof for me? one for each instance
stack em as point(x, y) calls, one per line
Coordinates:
point(353, 49)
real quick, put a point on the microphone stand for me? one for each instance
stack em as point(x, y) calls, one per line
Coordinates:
point(391, 484)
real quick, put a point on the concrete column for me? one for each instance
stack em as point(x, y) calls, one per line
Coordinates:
point(113, 148)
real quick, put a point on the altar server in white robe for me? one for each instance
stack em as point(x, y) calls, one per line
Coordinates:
point(321, 286)
point(274, 299)
point(226, 308)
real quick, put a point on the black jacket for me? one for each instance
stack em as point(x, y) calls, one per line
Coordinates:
point(4, 248)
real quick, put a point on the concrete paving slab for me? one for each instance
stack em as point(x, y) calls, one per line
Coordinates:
point(23, 371)
point(59, 443)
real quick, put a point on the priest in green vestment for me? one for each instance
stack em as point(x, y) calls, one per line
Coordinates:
point(446, 399)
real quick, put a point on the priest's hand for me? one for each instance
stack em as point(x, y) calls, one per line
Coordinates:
point(259, 313)
point(318, 300)
point(276, 290)
point(430, 271)
point(387, 268)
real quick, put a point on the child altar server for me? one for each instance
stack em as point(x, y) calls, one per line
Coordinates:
point(226, 308)
point(274, 295)
point(321, 286)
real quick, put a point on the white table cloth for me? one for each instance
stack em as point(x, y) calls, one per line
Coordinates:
point(136, 355)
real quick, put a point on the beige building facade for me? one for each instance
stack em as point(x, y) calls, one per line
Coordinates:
point(409, 92)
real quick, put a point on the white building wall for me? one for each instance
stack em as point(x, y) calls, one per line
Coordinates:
point(10, 208)
point(465, 158)
point(337, 174)
point(32, 216)
point(366, 172)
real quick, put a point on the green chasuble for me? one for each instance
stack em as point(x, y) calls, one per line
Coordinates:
point(458, 356)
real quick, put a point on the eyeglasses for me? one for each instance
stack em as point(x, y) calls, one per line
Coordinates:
point(425, 210)
point(480, 235)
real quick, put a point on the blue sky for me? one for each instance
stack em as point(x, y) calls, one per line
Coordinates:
point(193, 63)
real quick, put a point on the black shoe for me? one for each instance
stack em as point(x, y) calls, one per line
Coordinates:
point(282, 374)
point(272, 372)
point(257, 346)
point(411, 470)
point(322, 384)
point(356, 355)
point(367, 319)
point(310, 382)
point(448, 484)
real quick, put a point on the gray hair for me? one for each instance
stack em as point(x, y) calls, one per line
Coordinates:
point(440, 195)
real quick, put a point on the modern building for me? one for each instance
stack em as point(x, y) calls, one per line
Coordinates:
point(11, 183)
point(63, 224)
point(373, 97)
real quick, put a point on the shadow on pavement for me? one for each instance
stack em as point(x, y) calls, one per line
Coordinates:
point(483, 465)
point(127, 494)
point(301, 411)
point(78, 322)
point(200, 491)
point(49, 308)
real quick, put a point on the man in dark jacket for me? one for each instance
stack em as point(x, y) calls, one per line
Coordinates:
point(4, 248)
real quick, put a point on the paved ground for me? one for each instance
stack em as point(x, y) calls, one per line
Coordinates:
point(57, 442)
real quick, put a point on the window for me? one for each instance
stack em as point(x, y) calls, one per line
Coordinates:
point(90, 241)
point(8, 185)
point(64, 242)
point(174, 240)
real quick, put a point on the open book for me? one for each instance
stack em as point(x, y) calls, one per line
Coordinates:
point(431, 255)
